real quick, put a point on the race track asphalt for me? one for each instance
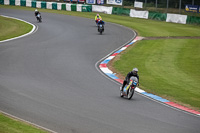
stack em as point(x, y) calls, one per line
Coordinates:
point(50, 78)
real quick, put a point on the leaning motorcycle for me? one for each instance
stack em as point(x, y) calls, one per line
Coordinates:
point(100, 28)
point(129, 89)
point(39, 18)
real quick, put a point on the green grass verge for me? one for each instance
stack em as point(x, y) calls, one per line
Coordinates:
point(12, 28)
point(144, 27)
point(168, 68)
point(8, 125)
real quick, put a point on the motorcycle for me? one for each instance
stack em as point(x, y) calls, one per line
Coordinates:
point(39, 18)
point(129, 89)
point(100, 28)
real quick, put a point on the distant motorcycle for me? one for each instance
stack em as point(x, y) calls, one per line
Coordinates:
point(39, 18)
point(100, 28)
point(129, 89)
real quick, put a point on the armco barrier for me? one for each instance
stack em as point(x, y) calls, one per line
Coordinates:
point(193, 20)
point(54, 6)
point(17, 2)
point(63, 7)
point(23, 2)
point(68, 7)
point(12, 2)
point(73, 7)
point(139, 14)
point(2, 2)
point(33, 4)
point(86, 8)
point(104, 9)
point(176, 18)
point(157, 16)
point(38, 4)
point(121, 11)
point(59, 6)
point(43, 4)
point(49, 5)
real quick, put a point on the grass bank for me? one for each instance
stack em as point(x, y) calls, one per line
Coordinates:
point(167, 67)
point(8, 125)
point(12, 28)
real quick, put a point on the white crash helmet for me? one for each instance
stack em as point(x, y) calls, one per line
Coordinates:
point(135, 70)
point(36, 10)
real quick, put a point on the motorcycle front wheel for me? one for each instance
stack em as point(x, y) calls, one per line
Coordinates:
point(130, 93)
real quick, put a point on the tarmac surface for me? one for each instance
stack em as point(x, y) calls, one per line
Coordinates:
point(49, 78)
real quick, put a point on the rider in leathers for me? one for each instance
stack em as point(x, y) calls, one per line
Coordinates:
point(102, 23)
point(36, 14)
point(127, 79)
point(97, 18)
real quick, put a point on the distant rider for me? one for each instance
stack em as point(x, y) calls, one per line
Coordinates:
point(97, 18)
point(36, 14)
point(134, 73)
point(102, 23)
